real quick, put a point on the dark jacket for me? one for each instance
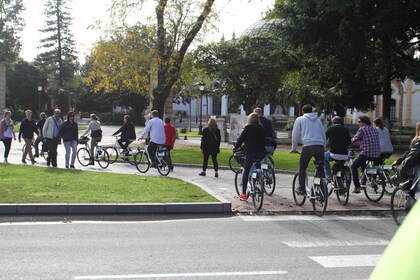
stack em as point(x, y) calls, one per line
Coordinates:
point(253, 137)
point(412, 159)
point(267, 125)
point(128, 131)
point(27, 129)
point(339, 139)
point(69, 131)
point(40, 125)
point(210, 141)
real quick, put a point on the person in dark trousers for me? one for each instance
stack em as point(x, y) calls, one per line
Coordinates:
point(210, 146)
point(7, 133)
point(253, 138)
point(69, 132)
point(154, 128)
point(39, 125)
point(95, 132)
point(26, 131)
point(270, 144)
point(170, 134)
point(51, 131)
point(128, 134)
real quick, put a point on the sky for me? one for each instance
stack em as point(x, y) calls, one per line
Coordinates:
point(235, 17)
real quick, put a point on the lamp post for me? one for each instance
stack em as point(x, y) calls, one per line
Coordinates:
point(39, 98)
point(200, 127)
point(70, 94)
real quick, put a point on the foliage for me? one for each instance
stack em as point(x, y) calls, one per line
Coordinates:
point(11, 24)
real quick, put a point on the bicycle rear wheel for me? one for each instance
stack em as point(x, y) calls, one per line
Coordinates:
point(258, 195)
point(298, 198)
point(375, 187)
point(102, 158)
point(270, 181)
point(113, 154)
point(27, 155)
point(342, 190)
point(346, 175)
point(83, 156)
point(398, 202)
point(163, 164)
point(319, 199)
point(389, 186)
point(238, 183)
point(234, 165)
point(142, 162)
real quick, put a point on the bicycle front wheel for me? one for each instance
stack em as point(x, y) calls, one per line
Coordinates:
point(258, 195)
point(113, 154)
point(270, 181)
point(375, 187)
point(27, 155)
point(234, 165)
point(83, 156)
point(163, 165)
point(142, 162)
point(319, 198)
point(389, 186)
point(342, 190)
point(398, 205)
point(102, 158)
point(298, 198)
point(238, 183)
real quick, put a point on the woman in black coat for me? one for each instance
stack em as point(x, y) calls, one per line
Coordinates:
point(69, 132)
point(210, 146)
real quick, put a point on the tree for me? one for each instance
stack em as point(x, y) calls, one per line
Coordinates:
point(177, 25)
point(10, 25)
point(59, 59)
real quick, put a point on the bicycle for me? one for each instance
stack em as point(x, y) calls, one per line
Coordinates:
point(115, 151)
point(236, 161)
point(43, 154)
point(317, 192)
point(142, 159)
point(101, 156)
point(341, 179)
point(402, 200)
point(388, 172)
point(256, 184)
point(375, 181)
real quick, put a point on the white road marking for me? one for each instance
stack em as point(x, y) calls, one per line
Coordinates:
point(181, 275)
point(309, 218)
point(335, 243)
point(347, 261)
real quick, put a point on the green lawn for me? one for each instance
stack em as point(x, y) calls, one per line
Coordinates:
point(31, 184)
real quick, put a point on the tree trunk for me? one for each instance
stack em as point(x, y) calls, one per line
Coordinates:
point(386, 86)
point(159, 98)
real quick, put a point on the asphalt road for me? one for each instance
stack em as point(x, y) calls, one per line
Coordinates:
point(241, 247)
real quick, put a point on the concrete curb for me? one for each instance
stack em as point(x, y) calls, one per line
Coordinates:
point(119, 208)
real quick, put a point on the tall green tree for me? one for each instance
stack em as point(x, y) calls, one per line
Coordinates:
point(58, 58)
point(11, 24)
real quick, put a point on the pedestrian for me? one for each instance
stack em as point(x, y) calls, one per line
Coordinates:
point(370, 149)
point(26, 131)
point(253, 137)
point(128, 134)
point(69, 132)
point(7, 132)
point(310, 130)
point(40, 138)
point(384, 141)
point(170, 136)
point(210, 146)
point(154, 128)
point(51, 131)
point(95, 130)
point(339, 139)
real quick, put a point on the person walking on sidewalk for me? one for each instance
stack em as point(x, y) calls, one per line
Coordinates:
point(69, 132)
point(210, 146)
point(40, 126)
point(170, 134)
point(128, 134)
point(95, 130)
point(51, 131)
point(155, 128)
point(7, 132)
point(370, 149)
point(310, 130)
point(26, 131)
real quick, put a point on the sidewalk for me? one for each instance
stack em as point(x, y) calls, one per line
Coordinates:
point(223, 188)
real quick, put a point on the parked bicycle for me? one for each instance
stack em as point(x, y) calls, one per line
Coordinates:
point(142, 159)
point(101, 156)
point(316, 190)
point(115, 151)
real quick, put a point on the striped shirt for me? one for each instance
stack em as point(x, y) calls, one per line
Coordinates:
point(369, 141)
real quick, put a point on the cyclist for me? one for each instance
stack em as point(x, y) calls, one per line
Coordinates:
point(95, 133)
point(384, 141)
point(270, 142)
point(370, 149)
point(310, 130)
point(253, 137)
point(339, 139)
point(39, 125)
point(128, 134)
point(156, 129)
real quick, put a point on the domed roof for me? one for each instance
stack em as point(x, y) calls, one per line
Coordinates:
point(262, 27)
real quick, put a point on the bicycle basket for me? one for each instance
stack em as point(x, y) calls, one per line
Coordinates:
point(84, 140)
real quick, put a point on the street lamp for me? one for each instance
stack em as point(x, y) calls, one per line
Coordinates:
point(39, 98)
point(200, 127)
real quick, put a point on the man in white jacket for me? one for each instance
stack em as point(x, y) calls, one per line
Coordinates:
point(310, 130)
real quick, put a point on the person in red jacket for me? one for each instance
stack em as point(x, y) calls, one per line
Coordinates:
point(170, 134)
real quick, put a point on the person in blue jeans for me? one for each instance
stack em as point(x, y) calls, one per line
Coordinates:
point(69, 132)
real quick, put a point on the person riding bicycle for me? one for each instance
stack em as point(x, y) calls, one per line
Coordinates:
point(339, 139)
point(384, 141)
point(270, 141)
point(310, 129)
point(370, 149)
point(128, 134)
point(253, 137)
point(95, 130)
point(155, 127)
